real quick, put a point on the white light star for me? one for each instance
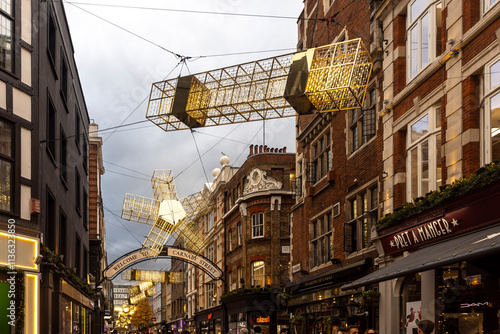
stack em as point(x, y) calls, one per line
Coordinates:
point(393, 244)
point(454, 222)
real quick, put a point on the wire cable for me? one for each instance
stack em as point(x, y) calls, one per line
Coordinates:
point(199, 156)
point(187, 11)
point(119, 220)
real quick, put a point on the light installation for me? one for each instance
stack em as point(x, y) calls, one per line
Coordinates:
point(169, 216)
point(323, 79)
point(152, 276)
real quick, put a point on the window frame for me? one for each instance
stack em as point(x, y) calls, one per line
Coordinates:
point(358, 122)
point(230, 240)
point(361, 214)
point(63, 163)
point(261, 268)
point(10, 159)
point(321, 238)
point(489, 94)
point(433, 139)
point(321, 155)
point(260, 224)
point(488, 6)
point(430, 10)
point(239, 226)
point(11, 19)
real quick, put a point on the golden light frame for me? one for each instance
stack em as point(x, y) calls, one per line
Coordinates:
point(322, 79)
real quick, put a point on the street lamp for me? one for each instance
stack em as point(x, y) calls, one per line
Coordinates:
point(352, 307)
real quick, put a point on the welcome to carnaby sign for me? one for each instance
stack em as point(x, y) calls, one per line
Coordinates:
point(140, 255)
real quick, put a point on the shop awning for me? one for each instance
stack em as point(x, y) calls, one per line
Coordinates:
point(465, 247)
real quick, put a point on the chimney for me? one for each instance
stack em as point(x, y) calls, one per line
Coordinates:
point(251, 149)
point(284, 149)
point(281, 150)
point(260, 148)
point(266, 149)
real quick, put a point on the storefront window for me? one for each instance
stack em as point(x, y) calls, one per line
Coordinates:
point(468, 294)
point(411, 303)
point(66, 316)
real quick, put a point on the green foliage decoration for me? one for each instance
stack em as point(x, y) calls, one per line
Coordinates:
point(70, 274)
point(480, 178)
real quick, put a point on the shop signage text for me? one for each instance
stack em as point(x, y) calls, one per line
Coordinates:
point(423, 232)
point(263, 320)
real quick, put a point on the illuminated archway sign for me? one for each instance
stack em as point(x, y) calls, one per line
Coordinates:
point(140, 255)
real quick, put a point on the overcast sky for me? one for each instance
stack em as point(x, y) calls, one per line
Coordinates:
point(119, 60)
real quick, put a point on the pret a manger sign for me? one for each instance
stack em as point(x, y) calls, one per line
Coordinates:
point(417, 235)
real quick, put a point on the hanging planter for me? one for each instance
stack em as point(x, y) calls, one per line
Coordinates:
point(370, 297)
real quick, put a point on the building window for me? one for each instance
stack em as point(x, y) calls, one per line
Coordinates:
point(210, 218)
point(51, 221)
point(62, 235)
point(85, 153)
point(298, 180)
point(258, 225)
point(78, 199)
point(64, 154)
point(211, 294)
point(488, 4)
point(321, 239)
point(230, 240)
point(64, 79)
point(362, 213)
point(258, 274)
point(6, 26)
point(240, 232)
point(6, 166)
point(85, 212)
point(51, 131)
point(85, 263)
point(492, 111)
point(52, 39)
point(362, 123)
point(424, 154)
point(423, 21)
point(241, 278)
point(321, 154)
point(77, 128)
point(210, 252)
point(78, 256)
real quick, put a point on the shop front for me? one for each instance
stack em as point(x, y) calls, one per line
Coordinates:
point(442, 265)
point(318, 305)
point(19, 283)
point(210, 321)
point(252, 310)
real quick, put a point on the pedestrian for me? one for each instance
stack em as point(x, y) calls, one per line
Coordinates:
point(425, 327)
point(370, 331)
point(352, 329)
point(243, 331)
point(257, 330)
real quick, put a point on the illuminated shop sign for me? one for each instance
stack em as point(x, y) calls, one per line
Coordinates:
point(263, 320)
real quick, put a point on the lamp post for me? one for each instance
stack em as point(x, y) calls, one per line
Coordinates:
point(97, 310)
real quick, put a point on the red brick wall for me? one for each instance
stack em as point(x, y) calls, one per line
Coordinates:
point(483, 40)
point(471, 120)
point(471, 10)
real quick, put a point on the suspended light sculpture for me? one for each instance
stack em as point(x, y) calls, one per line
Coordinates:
point(323, 79)
point(153, 276)
point(167, 214)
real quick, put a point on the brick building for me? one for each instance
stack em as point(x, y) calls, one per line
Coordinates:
point(440, 123)
point(258, 199)
point(338, 176)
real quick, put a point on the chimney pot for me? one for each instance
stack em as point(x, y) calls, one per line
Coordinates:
point(284, 149)
point(251, 149)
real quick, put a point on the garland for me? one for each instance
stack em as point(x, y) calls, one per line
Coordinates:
point(20, 291)
point(480, 178)
point(50, 256)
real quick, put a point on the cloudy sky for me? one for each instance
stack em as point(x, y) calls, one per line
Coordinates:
point(121, 49)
